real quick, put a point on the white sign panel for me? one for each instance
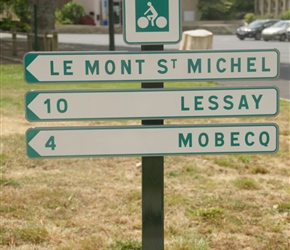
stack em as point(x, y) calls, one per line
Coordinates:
point(151, 66)
point(144, 104)
point(151, 140)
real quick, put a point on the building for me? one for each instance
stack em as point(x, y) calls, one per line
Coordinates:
point(271, 8)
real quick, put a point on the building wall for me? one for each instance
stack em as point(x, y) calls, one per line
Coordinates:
point(271, 8)
point(189, 12)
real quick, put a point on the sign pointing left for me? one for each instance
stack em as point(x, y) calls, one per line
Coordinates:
point(151, 140)
point(164, 103)
point(150, 66)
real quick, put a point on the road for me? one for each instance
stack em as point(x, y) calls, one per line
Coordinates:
point(220, 42)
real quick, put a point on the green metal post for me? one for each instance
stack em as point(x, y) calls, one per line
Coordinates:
point(152, 185)
point(35, 27)
point(111, 25)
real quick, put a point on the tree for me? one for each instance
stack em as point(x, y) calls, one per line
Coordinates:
point(214, 9)
point(22, 9)
point(45, 17)
point(241, 7)
point(224, 9)
point(43, 20)
point(5, 5)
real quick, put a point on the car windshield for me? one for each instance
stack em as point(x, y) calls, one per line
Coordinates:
point(256, 23)
point(280, 24)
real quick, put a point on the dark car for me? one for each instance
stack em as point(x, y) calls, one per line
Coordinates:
point(254, 29)
point(288, 34)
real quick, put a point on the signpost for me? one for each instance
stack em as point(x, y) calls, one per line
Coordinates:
point(164, 103)
point(152, 22)
point(151, 140)
point(63, 67)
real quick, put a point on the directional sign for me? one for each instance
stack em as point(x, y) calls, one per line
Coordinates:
point(151, 140)
point(152, 22)
point(163, 103)
point(151, 66)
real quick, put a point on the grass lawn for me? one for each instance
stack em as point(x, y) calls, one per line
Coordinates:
point(218, 202)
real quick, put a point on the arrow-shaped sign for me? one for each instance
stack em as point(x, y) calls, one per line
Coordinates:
point(151, 66)
point(143, 104)
point(151, 140)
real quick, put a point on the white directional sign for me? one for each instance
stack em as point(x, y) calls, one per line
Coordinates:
point(151, 140)
point(148, 103)
point(151, 66)
point(152, 21)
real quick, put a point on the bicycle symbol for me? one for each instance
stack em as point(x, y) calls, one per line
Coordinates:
point(144, 21)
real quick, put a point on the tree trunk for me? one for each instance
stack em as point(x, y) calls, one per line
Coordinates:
point(45, 19)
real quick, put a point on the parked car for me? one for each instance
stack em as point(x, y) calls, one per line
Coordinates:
point(288, 34)
point(254, 29)
point(277, 31)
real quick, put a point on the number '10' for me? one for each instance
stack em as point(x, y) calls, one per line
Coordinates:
point(61, 105)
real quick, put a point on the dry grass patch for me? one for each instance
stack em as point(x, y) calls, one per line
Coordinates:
point(212, 202)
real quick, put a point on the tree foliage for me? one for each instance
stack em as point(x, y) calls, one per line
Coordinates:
point(286, 15)
point(224, 9)
point(5, 4)
point(22, 9)
point(214, 9)
point(242, 7)
point(71, 13)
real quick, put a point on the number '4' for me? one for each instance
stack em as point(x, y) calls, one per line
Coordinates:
point(50, 143)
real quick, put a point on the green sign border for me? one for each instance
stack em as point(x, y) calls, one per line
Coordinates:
point(31, 56)
point(32, 132)
point(31, 95)
point(149, 34)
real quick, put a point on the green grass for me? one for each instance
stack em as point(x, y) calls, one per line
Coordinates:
point(8, 182)
point(206, 213)
point(211, 202)
point(246, 183)
point(127, 245)
point(13, 88)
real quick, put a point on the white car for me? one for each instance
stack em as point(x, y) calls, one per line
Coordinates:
point(288, 34)
point(277, 31)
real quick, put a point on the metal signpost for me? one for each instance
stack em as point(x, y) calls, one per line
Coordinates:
point(151, 24)
point(152, 182)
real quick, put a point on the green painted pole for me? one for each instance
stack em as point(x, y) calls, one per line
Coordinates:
point(35, 27)
point(152, 185)
point(111, 26)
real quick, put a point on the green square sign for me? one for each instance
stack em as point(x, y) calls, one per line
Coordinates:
point(152, 21)
point(152, 16)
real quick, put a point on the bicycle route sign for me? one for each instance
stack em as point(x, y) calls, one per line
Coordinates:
point(152, 21)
